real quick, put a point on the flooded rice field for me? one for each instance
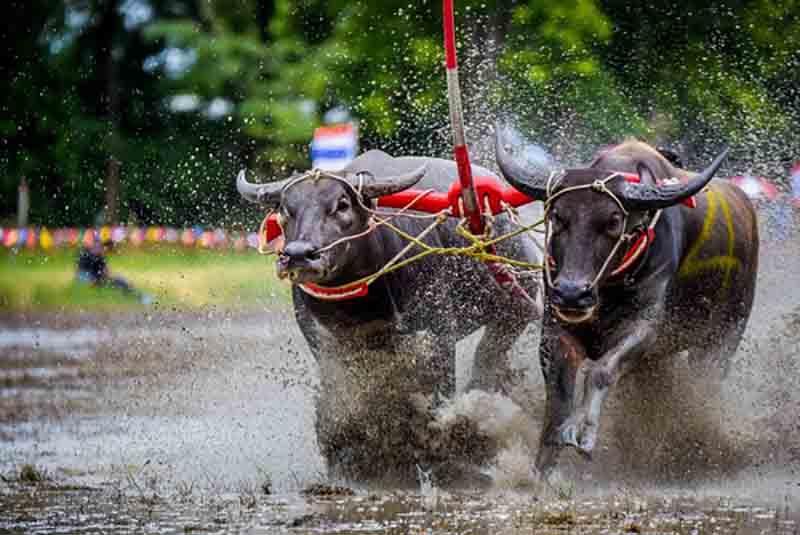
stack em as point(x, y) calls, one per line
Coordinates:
point(160, 421)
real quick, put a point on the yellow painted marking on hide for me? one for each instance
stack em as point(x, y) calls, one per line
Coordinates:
point(726, 211)
point(726, 263)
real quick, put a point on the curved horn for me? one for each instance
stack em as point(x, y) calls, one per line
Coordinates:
point(268, 195)
point(648, 197)
point(531, 184)
point(393, 184)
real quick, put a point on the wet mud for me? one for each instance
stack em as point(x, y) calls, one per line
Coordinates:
point(173, 422)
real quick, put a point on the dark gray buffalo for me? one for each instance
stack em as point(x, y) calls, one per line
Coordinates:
point(614, 299)
point(387, 358)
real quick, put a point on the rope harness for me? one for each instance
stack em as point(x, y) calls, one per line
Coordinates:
point(644, 235)
point(478, 248)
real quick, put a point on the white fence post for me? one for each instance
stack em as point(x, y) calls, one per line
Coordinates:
point(23, 203)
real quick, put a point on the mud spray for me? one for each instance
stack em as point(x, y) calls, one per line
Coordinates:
point(221, 402)
point(665, 427)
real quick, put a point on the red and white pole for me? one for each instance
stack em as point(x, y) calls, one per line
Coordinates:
point(472, 208)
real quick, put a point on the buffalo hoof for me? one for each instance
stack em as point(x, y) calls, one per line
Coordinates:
point(580, 434)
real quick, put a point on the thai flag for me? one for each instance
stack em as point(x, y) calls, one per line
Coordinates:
point(333, 147)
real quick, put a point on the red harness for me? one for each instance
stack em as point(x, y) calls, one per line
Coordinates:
point(646, 237)
point(490, 191)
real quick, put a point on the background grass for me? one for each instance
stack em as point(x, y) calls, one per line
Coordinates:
point(173, 275)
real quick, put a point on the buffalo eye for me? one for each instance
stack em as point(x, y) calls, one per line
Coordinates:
point(557, 222)
point(343, 205)
point(614, 225)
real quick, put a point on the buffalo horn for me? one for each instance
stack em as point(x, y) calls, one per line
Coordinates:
point(389, 185)
point(531, 184)
point(268, 195)
point(641, 196)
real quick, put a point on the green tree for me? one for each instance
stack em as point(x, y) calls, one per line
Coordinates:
point(183, 93)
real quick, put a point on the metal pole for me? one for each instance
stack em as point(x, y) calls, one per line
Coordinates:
point(472, 209)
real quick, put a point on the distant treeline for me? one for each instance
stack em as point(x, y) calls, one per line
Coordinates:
point(143, 110)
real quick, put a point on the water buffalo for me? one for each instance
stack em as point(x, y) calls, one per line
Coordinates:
point(634, 274)
point(388, 357)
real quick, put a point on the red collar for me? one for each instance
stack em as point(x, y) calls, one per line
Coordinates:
point(646, 238)
point(335, 293)
point(272, 239)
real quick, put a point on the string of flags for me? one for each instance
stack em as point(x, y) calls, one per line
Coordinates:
point(194, 237)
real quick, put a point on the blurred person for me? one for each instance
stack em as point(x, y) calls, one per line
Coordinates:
point(781, 211)
point(93, 269)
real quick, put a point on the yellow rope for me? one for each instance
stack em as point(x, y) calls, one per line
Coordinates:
point(476, 250)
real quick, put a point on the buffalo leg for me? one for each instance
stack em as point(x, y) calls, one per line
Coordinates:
point(581, 428)
point(561, 356)
point(305, 321)
point(491, 369)
point(443, 368)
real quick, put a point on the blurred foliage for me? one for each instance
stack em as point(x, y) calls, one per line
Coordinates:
point(185, 92)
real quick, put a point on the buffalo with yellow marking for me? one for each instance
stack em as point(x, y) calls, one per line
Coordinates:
point(634, 274)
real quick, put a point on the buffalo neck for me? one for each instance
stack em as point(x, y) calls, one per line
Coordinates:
point(369, 255)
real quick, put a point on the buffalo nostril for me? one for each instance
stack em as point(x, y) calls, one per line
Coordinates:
point(573, 295)
point(585, 294)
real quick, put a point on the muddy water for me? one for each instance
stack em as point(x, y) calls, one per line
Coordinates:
point(167, 422)
point(214, 401)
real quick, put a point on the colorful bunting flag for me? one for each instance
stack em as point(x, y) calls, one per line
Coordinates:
point(45, 239)
point(137, 236)
point(88, 237)
point(196, 236)
point(22, 237)
point(10, 238)
point(73, 236)
point(187, 238)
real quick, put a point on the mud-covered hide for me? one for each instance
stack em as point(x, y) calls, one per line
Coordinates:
point(646, 261)
point(387, 360)
point(376, 420)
